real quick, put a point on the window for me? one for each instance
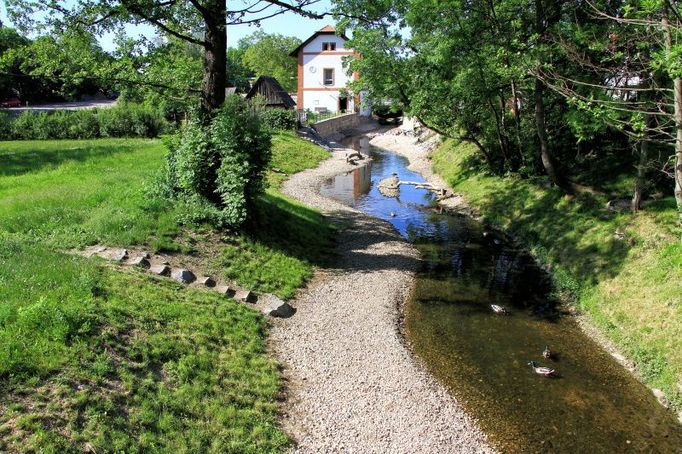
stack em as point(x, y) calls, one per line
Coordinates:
point(328, 76)
point(328, 46)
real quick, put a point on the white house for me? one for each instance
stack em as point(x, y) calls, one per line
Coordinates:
point(322, 78)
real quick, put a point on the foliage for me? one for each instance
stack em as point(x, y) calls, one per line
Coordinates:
point(218, 165)
point(482, 72)
point(278, 119)
point(268, 55)
point(126, 120)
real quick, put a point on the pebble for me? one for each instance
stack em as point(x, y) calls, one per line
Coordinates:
point(358, 387)
point(183, 275)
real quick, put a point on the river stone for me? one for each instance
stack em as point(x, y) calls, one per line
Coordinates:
point(183, 275)
point(245, 296)
point(117, 255)
point(207, 281)
point(278, 308)
point(140, 261)
point(161, 270)
point(660, 395)
point(95, 250)
point(225, 290)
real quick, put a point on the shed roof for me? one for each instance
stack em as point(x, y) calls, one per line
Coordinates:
point(326, 30)
point(273, 92)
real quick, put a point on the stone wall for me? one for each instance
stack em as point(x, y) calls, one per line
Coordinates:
point(331, 126)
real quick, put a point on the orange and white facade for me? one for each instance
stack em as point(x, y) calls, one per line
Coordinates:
point(322, 79)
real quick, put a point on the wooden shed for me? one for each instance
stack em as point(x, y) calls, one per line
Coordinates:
point(272, 91)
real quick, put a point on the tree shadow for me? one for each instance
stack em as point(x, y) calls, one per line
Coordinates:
point(578, 235)
point(34, 156)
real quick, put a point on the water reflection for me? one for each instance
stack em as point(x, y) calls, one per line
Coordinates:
point(594, 405)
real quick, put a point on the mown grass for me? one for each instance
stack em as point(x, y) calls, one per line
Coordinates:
point(93, 358)
point(631, 288)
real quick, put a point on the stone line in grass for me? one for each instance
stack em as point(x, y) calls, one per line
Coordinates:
point(268, 304)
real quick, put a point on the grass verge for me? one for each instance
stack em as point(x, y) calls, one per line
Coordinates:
point(631, 288)
point(95, 359)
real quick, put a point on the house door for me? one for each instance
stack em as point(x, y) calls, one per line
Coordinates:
point(343, 104)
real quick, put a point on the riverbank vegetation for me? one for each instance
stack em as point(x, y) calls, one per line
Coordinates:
point(622, 270)
point(100, 358)
point(564, 125)
point(539, 87)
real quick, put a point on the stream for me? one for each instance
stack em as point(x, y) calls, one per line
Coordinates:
point(592, 404)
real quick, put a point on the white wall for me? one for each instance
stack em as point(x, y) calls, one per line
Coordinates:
point(313, 74)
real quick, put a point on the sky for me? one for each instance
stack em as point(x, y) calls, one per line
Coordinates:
point(288, 24)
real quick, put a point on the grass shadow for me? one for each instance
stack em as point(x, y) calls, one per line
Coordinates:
point(20, 157)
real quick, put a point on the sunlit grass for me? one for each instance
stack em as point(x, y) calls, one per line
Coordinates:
point(104, 360)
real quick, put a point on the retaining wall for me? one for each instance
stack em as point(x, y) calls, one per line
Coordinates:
point(331, 126)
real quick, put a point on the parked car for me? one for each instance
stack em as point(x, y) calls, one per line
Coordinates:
point(10, 103)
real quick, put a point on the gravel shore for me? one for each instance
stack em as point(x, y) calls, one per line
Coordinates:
point(352, 385)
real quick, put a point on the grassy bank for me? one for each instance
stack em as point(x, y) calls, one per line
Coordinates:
point(93, 358)
point(631, 286)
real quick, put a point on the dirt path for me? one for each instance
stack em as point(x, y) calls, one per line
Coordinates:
point(352, 384)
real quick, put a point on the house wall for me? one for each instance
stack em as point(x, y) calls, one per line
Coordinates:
point(316, 95)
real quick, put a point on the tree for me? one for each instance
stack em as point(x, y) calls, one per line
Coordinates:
point(200, 22)
point(636, 78)
point(268, 55)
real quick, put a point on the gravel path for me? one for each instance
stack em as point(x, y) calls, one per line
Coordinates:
point(352, 384)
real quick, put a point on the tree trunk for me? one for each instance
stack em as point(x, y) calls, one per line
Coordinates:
point(678, 145)
point(215, 56)
point(548, 161)
point(677, 96)
point(542, 21)
point(641, 172)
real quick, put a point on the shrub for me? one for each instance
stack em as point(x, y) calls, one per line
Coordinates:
point(5, 126)
point(127, 120)
point(244, 148)
point(216, 168)
point(278, 118)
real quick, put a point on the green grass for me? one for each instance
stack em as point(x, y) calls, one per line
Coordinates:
point(292, 154)
point(112, 360)
point(631, 289)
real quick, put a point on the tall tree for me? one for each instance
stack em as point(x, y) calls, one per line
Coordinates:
point(268, 55)
point(200, 22)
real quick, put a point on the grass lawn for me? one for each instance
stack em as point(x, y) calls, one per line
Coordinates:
point(93, 358)
point(631, 289)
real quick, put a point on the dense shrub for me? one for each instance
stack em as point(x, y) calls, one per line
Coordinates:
point(5, 126)
point(278, 118)
point(215, 168)
point(128, 120)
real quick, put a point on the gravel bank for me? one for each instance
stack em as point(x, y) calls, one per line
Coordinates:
point(352, 384)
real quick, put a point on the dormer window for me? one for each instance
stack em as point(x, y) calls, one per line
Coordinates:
point(328, 46)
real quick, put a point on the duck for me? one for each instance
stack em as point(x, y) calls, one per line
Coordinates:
point(544, 371)
point(498, 309)
point(546, 353)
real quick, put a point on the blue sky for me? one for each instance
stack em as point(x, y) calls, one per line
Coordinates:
point(288, 24)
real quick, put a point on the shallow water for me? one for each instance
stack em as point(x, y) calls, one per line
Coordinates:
point(593, 404)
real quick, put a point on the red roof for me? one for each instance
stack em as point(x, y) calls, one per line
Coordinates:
point(328, 28)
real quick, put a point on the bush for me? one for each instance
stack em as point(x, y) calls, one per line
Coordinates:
point(5, 126)
point(244, 148)
point(128, 120)
point(281, 119)
point(219, 163)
